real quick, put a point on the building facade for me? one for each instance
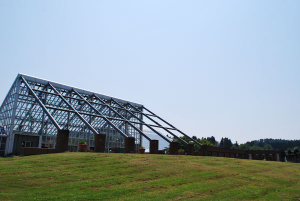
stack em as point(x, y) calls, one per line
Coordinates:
point(35, 109)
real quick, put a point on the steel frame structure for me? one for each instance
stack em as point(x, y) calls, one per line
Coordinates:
point(39, 107)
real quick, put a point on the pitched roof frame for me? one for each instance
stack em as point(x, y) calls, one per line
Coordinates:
point(65, 106)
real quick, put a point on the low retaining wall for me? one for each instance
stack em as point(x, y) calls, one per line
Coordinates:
point(271, 155)
point(27, 151)
point(295, 158)
point(62, 139)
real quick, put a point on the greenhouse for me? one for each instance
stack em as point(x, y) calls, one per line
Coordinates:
point(35, 109)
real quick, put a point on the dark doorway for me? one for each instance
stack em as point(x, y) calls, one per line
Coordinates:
point(24, 141)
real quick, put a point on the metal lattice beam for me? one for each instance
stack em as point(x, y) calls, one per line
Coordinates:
point(123, 118)
point(171, 126)
point(41, 104)
point(100, 114)
point(161, 126)
point(72, 108)
point(155, 131)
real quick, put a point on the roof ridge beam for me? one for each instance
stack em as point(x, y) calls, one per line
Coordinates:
point(67, 87)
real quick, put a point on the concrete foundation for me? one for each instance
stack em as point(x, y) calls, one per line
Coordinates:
point(62, 142)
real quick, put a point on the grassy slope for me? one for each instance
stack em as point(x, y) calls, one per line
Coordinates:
point(86, 176)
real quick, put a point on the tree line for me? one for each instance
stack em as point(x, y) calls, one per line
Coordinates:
point(261, 144)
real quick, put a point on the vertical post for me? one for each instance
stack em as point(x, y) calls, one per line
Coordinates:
point(126, 126)
point(141, 128)
point(126, 129)
point(129, 145)
point(89, 133)
point(154, 146)
point(282, 156)
point(40, 141)
point(62, 141)
point(277, 157)
point(99, 142)
point(11, 136)
point(109, 128)
point(42, 130)
point(173, 148)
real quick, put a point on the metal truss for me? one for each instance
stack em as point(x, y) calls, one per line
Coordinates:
point(39, 107)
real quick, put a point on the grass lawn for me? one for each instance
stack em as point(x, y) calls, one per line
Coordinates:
point(99, 176)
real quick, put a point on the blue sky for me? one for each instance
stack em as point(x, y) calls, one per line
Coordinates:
point(221, 68)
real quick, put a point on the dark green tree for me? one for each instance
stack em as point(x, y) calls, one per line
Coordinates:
point(225, 143)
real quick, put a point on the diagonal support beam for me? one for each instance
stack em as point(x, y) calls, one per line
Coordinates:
point(109, 118)
point(161, 126)
point(41, 104)
point(138, 130)
point(170, 126)
point(108, 121)
point(142, 121)
point(53, 112)
point(72, 118)
point(72, 108)
point(27, 113)
point(183, 141)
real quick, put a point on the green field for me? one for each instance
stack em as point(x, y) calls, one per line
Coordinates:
point(98, 176)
